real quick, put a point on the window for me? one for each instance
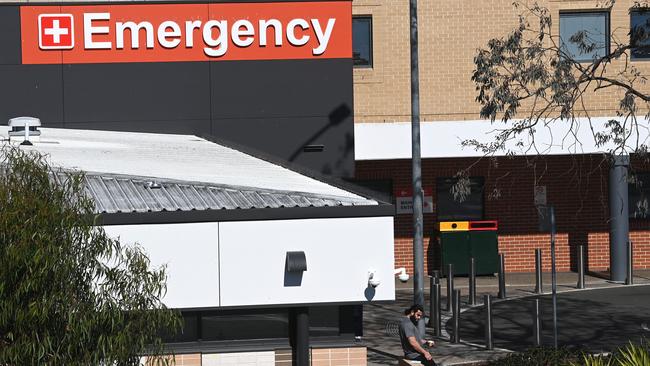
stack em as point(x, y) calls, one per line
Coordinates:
point(362, 41)
point(585, 36)
point(640, 34)
point(326, 323)
point(638, 192)
point(451, 208)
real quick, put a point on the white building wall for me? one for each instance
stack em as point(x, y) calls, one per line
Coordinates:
point(243, 263)
point(191, 254)
point(339, 251)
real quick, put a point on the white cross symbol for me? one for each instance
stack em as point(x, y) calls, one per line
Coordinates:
point(56, 31)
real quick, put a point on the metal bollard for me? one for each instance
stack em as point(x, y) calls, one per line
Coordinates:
point(502, 276)
point(537, 323)
point(487, 301)
point(581, 267)
point(450, 285)
point(539, 287)
point(456, 317)
point(432, 284)
point(436, 276)
point(630, 264)
point(437, 319)
point(472, 281)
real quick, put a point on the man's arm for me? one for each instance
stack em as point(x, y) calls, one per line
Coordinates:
point(416, 346)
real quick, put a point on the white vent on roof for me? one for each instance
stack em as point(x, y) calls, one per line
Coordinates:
point(25, 130)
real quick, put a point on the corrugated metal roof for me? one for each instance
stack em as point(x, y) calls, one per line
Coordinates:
point(115, 193)
point(171, 157)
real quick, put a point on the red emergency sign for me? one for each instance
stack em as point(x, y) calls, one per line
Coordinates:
point(185, 32)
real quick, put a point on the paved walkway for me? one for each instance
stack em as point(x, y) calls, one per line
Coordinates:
point(511, 316)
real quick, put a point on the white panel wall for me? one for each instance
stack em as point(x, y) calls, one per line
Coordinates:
point(191, 254)
point(339, 253)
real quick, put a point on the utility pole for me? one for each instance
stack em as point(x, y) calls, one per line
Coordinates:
point(553, 274)
point(418, 229)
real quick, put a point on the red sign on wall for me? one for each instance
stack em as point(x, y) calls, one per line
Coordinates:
point(55, 32)
point(185, 32)
point(404, 201)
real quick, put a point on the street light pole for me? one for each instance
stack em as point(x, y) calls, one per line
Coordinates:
point(418, 230)
point(553, 274)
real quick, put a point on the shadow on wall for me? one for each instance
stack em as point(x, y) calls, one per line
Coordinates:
point(433, 254)
point(339, 115)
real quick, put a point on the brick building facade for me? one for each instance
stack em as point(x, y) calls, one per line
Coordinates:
point(450, 32)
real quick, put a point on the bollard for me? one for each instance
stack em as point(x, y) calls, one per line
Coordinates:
point(539, 287)
point(630, 264)
point(472, 281)
point(581, 267)
point(502, 276)
point(487, 301)
point(432, 300)
point(437, 319)
point(456, 317)
point(450, 285)
point(436, 276)
point(537, 323)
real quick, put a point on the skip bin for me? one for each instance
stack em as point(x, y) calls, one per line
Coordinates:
point(460, 240)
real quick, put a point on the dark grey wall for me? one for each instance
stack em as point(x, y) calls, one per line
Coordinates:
point(275, 107)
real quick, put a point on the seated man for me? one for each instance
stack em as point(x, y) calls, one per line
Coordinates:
point(411, 340)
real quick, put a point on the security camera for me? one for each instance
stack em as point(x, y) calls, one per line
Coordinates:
point(373, 281)
point(402, 275)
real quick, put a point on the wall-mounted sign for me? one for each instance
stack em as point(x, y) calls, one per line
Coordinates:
point(404, 201)
point(185, 32)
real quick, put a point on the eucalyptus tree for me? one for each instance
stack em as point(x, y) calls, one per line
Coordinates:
point(70, 294)
point(532, 80)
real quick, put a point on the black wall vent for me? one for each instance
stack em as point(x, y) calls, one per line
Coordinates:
point(296, 262)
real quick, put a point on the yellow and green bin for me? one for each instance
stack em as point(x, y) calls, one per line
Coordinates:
point(461, 240)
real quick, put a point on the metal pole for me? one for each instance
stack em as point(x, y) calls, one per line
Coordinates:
point(437, 321)
point(432, 298)
point(553, 275)
point(539, 286)
point(630, 264)
point(456, 315)
point(581, 266)
point(302, 337)
point(619, 227)
point(502, 276)
point(537, 323)
point(418, 230)
point(450, 285)
point(436, 276)
point(472, 281)
point(487, 301)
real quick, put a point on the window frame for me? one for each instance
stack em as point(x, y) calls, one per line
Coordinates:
point(371, 61)
point(608, 35)
point(632, 56)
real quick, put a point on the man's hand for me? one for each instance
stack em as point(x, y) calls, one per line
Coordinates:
point(428, 356)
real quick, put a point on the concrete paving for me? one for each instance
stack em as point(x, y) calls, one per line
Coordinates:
point(627, 308)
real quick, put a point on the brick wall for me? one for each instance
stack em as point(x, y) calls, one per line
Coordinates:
point(576, 185)
point(352, 356)
point(450, 32)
